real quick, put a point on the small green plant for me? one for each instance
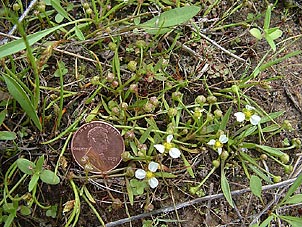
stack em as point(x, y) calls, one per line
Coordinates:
point(270, 34)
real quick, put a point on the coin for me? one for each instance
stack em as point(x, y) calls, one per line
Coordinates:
point(97, 147)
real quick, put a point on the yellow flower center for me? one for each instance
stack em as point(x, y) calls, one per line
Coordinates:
point(149, 175)
point(168, 146)
point(218, 144)
point(248, 114)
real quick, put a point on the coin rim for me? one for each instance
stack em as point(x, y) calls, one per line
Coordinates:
point(101, 122)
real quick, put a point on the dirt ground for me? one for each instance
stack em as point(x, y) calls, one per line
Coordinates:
point(280, 94)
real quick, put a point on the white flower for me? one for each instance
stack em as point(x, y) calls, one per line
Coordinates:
point(168, 146)
point(218, 144)
point(149, 175)
point(249, 115)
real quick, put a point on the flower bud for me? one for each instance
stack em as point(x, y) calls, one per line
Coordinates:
point(211, 99)
point(142, 148)
point(41, 7)
point(197, 113)
point(132, 66)
point(284, 158)
point(176, 96)
point(218, 113)
point(133, 88)
point(193, 190)
point(235, 89)
point(172, 112)
point(288, 169)
point(115, 110)
point(89, 11)
point(129, 171)
point(16, 7)
point(154, 101)
point(200, 99)
point(148, 107)
point(114, 84)
point(296, 142)
point(140, 43)
point(216, 163)
point(124, 106)
point(126, 156)
point(95, 80)
point(287, 125)
point(130, 135)
point(116, 203)
point(110, 77)
point(277, 179)
point(263, 157)
point(224, 155)
point(112, 46)
point(86, 5)
point(210, 117)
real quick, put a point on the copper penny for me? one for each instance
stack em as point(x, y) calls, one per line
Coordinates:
point(97, 147)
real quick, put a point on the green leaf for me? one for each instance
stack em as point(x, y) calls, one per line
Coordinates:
point(297, 183)
point(256, 33)
point(168, 19)
point(271, 116)
point(89, 196)
point(260, 173)
point(25, 210)
point(276, 34)
point(256, 186)
point(2, 116)
point(79, 33)
point(145, 135)
point(295, 199)
point(226, 189)
point(225, 119)
point(271, 150)
point(129, 192)
point(49, 177)
point(267, 18)
point(6, 135)
point(293, 221)
point(267, 221)
point(22, 98)
point(271, 128)
point(188, 166)
point(33, 182)
point(57, 6)
point(59, 18)
point(165, 175)
point(39, 164)
point(52, 212)
point(137, 186)
point(26, 166)
point(270, 41)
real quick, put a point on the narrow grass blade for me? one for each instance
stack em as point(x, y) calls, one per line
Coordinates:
point(293, 221)
point(22, 98)
point(292, 188)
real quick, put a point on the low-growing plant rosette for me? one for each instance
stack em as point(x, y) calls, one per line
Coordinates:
point(248, 114)
point(168, 147)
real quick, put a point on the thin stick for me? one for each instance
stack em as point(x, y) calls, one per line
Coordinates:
point(194, 201)
point(31, 4)
point(218, 46)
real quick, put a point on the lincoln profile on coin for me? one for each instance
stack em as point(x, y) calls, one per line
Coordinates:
point(98, 145)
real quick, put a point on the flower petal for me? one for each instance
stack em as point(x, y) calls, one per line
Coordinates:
point(140, 174)
point(174, 152)
point(223, 138)
point(160, 148)
point(255, 119)
point(153, 166)
point(219, 150)
point(211, 142)
point(153, 182)
point(169, 138)
point(240, 117)
point(248, 107)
